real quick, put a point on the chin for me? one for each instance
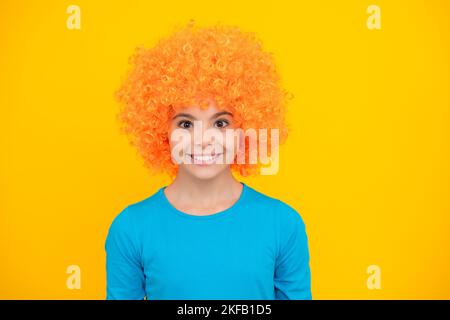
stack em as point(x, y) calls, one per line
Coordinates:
point(205, 172)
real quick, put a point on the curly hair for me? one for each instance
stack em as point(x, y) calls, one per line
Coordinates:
point(188, 67)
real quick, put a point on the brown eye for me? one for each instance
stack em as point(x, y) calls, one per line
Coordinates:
point(222, 123)
point(185, 124)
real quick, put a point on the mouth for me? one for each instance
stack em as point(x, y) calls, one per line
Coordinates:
point(204, 159)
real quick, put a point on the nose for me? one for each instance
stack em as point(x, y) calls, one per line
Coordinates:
point(204, 138)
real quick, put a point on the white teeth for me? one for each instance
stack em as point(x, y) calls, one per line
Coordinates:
point(204, 158)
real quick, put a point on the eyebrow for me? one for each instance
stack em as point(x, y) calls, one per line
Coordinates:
point(187, 115)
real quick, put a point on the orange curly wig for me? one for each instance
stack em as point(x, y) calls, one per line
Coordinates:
point(185, 69)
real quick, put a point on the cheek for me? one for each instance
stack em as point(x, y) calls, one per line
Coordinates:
point(229, 144)
point(234, 141)
point(231, 147)
point(179, 144)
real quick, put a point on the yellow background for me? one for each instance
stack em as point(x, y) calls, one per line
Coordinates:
point(367, 162)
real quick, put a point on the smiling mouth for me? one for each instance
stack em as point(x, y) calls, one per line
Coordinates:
point(204, 159)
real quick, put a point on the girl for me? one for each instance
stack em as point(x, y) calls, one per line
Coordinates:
point(206, 235)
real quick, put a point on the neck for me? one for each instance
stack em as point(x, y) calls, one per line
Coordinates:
point(187, 188)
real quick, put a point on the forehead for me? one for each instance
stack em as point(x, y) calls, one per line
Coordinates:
point(198, 112)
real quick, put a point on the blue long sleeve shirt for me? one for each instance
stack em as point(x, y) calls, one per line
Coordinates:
point(256, 249)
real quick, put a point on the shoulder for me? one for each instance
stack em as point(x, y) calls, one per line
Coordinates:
point(289, 214)
point(256, 197)
point(284, 213)
point(133, 215)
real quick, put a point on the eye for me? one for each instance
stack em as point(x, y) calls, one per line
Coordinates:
point(185, 124)
point(221, 123)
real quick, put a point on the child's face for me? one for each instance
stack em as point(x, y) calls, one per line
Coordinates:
point(204, 150)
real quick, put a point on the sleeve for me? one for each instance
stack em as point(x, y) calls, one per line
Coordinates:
point(292, 272)
point(124, 273)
